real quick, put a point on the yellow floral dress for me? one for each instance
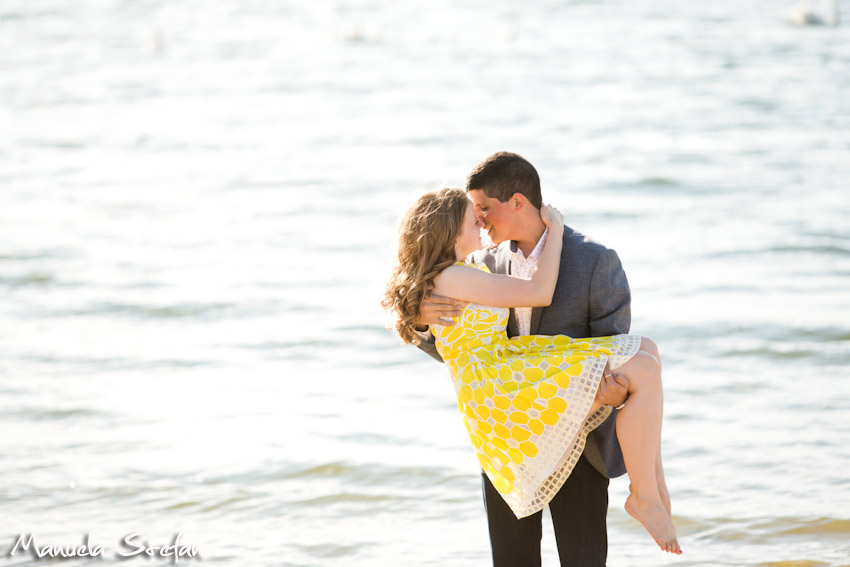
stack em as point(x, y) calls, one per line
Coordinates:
point(525, 401)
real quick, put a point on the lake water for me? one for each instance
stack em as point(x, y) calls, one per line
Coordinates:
point(197, 211)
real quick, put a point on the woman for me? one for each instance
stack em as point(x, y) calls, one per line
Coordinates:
point(528, 402)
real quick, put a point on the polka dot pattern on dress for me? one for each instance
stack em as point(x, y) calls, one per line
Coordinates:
point(525, 401)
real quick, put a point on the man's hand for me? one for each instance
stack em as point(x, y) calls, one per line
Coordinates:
point(613, 390)
point(439, 310)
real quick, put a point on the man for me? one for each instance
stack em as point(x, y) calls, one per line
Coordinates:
point(591, 299)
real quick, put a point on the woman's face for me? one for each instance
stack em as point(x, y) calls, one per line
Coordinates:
point(469, 238)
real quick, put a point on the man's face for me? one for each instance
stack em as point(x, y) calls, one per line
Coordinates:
point(497, 217)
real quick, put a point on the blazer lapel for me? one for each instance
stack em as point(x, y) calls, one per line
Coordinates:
point(536, 312)
point(512, 324)
point(503, 260)
point(503, 266)
point(535, 319)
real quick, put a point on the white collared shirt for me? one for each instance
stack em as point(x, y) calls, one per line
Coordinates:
point(522, 267)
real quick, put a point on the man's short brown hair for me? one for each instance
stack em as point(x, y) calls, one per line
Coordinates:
point(503, 174)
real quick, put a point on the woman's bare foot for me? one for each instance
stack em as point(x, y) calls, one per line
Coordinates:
point(657, 522)
point(664, 493)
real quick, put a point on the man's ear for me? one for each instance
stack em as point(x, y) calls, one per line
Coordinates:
point(518, 201)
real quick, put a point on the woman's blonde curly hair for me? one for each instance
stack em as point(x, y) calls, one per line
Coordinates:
point(426, 246)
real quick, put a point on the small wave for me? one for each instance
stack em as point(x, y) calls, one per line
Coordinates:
point(40, 414)
point(766, 352)
point(351, 474)
point(657, 182)
point(230, 503)
point(766, 330)
point(761, 531)
point(660, 185)
point(35, 278)
point(824, 334)
point(324, 470)
point(348, 497)
point(815, 526)
point(824, 249)
point(372, 329)
point(183, 505)
point(241, 500)
point(329, 550)
point(794, 563)
point(113, 364)
point(374, 439)
point(368, 474)
point(179, 311)
point(758, 104)
point(36, 255)
point(816, 357)
point(114, 493)
point(817, 249)
point(297, 344)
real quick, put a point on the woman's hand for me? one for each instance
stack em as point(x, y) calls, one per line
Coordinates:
point(551, 216)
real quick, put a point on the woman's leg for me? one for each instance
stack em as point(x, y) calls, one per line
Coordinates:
point(639, 433)
point(662, 483)
point(648, 346)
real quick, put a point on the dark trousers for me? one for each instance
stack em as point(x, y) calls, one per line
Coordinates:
point(578, 513)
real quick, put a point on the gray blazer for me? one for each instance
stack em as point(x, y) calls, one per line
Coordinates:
point(592, 299)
